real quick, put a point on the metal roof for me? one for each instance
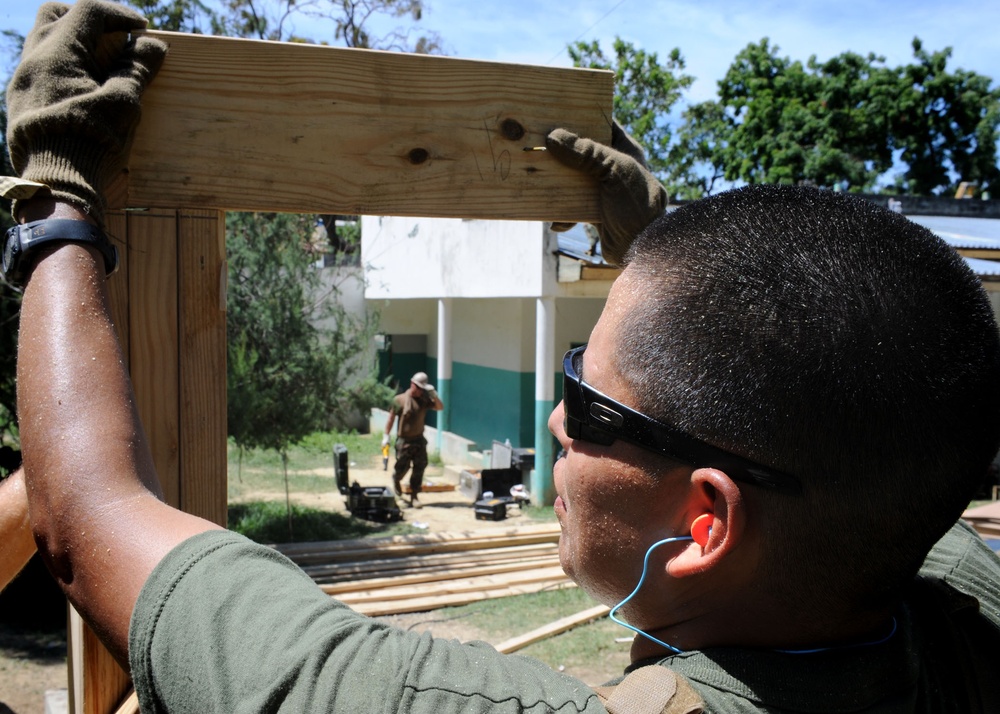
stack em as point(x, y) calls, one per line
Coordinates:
point(576, 243)
point(961, 233)
point(984, 268)
point(979, 236)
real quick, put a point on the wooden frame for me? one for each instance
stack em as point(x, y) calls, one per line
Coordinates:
point(242, 125)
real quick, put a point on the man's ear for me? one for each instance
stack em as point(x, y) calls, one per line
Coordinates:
point(716, 517)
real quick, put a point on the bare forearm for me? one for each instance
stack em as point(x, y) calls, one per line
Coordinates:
point(16, 544)
point(93, 489)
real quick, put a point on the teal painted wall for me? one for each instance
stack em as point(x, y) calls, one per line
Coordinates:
point(489, 403)
point(486, 403)
point(401, 366)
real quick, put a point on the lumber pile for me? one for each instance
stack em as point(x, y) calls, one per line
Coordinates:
point(386, 576)
point(985, 519)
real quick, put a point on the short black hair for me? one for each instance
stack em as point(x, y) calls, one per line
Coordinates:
point(834, 340)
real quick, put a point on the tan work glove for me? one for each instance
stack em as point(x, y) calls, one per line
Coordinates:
point(630, 196)
point(73, 102)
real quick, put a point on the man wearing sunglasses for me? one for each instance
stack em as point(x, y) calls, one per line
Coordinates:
point(785, 405)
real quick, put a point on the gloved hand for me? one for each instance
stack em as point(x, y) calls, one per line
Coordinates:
point(630, 196)
point(73, 102)
point(385, 439)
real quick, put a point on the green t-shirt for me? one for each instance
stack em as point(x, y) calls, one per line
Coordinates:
point(942, 658)
point(228, 626)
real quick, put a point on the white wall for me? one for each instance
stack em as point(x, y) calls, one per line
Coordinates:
point(445, 257)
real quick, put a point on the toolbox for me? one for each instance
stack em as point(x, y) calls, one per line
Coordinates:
point(492, 509)
point(373, 503)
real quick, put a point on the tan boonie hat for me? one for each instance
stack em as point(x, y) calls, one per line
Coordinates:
point(420, 379)
point(18, 189)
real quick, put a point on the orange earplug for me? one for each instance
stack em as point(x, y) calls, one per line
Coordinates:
point(701, 528)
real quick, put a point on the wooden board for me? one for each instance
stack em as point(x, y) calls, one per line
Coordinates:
point(201, 259)
point(436, 574)
point(152, 293)
point(248, 125)
point(170, 319)
point(553, 628)
point(436, 602)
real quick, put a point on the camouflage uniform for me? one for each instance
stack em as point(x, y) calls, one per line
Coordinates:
point(410, 451)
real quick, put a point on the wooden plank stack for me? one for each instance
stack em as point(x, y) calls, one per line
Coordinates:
point(386, 576)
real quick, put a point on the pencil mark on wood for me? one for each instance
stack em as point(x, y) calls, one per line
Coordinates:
point(501, 161)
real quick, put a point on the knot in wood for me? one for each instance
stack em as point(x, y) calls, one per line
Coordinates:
point(418, 156)
point(512, 129)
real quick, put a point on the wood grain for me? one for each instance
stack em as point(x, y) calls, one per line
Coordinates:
point(152, 277)
point(248, 125)
point(202, 360)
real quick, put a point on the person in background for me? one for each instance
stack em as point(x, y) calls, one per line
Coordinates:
point(409, 411)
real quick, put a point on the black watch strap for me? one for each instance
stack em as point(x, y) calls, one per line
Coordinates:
point(24, 239)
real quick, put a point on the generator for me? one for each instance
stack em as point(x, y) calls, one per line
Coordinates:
point(372, 503)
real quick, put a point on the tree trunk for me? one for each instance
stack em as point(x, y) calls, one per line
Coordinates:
point(288, 500)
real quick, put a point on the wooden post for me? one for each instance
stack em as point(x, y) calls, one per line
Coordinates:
point(169, 310)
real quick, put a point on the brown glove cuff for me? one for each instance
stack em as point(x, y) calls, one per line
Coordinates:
point(62, 166)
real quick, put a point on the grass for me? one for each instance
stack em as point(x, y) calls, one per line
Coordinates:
point(584, 649)
point(267, 522)
point(310, 464)
point(310, 468)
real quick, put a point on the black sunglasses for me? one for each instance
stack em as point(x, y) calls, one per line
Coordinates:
point(597, 418)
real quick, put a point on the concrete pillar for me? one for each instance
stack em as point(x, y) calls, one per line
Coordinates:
point(444, 368)
point(542, 489)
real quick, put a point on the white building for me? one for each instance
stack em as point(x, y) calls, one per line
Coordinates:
point(488, 308)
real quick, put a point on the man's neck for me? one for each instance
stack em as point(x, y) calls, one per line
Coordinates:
point(779, 630)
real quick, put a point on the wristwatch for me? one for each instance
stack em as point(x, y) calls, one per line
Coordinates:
point(23, 239)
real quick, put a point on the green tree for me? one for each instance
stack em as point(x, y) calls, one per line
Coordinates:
point(178, 15)
point(946, 123)
point(852, 112)
point(286, 377)
point(779, 121)
point(346, 22)
point(694, 170)
point(839, 123)
point(646, 91)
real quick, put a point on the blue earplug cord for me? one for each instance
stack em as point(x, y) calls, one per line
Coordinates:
point(642, 579)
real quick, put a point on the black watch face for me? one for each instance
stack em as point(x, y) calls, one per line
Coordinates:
point(10, 250)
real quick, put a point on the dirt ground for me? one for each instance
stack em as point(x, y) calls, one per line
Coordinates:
point(33, 661)
point(438, 511)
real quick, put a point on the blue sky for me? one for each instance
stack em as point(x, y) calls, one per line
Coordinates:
point(709, 33)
